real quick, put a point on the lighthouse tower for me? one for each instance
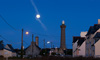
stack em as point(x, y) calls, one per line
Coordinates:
point(63, 41)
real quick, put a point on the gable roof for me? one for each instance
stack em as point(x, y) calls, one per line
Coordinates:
point(93, 29)
point(97, 35)
point(80, 41)
point(27, 47)
point(34, 45)
point(75, 38)
point(11, 48)
point(9, 45)
point(38, 47)
point(90, 30)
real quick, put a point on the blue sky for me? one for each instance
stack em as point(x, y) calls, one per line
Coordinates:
point(79, 15)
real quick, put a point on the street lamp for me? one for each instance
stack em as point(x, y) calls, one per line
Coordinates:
point(27, 33)
point(22, 47)
point(49, 43)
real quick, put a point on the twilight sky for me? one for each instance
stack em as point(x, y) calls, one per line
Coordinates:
point(78, 15)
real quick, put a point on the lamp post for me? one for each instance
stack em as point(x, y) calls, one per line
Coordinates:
point(22, 45)
point(44, 43)
point(32, 45)
point(49, 43)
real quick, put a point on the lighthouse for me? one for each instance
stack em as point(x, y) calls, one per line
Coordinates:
point(63, 39)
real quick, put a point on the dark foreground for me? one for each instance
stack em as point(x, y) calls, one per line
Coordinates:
point(55, 58)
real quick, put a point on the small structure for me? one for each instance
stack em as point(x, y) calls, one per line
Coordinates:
point(79, 45)
point(89, 46)
point(97, 44)
point(33, 50)
point(92, 41)
point(75, 44)
point(7, 51)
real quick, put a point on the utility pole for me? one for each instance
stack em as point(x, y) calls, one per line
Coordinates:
point(44, 43)
point(22, 45)
point(51, 44)
point(32, 37)
point(32, 45)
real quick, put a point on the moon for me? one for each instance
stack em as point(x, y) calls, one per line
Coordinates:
point(38, 16)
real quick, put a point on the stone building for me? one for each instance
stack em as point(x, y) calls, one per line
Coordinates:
point(91, 43)
point(33, 50)
point(92, 40)
point(7, 51)
point(79, 45)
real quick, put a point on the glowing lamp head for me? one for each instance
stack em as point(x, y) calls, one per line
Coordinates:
point(27, 33)
point(48, 42)
point(38, 16)
point(63, 22)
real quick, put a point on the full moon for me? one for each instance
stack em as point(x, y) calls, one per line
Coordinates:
point(38, 16)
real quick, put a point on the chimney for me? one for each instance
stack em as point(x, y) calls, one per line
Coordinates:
point(98, 21)
point(37, 40)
